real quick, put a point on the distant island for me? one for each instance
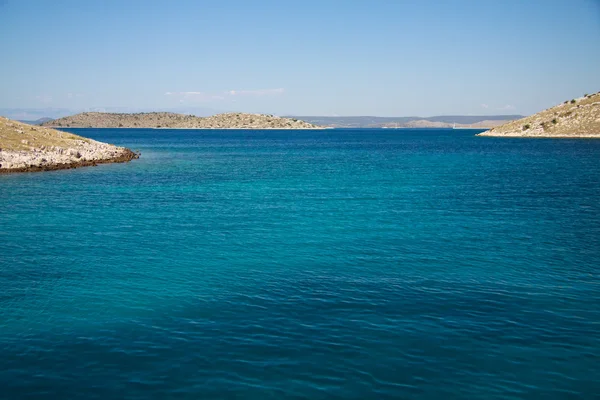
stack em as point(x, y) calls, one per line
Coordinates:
point(265, 121)
point(28, 148)
point(571, 119)
point(181, 121)
point(441, 121)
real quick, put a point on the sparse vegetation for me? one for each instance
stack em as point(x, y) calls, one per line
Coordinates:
point(35, 148)
point(580, 118)
point(173, 120)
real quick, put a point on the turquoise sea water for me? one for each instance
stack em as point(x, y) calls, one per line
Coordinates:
point(359, 264)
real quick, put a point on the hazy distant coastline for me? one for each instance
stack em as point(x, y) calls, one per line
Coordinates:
point(442, 121)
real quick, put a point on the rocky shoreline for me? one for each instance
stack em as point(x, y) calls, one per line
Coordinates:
point(27, 148)
point(127, 156)
point(540, 135)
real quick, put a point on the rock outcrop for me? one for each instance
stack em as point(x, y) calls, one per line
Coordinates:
point(173, 120)
point(28, 148)
point(574, 118)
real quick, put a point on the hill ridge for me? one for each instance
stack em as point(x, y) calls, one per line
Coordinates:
point(161, 119)
point(571, 119)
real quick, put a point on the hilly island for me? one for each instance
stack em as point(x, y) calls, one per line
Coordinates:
point(182, 121)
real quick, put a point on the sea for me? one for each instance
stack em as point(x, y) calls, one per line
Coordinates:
point(332, 264)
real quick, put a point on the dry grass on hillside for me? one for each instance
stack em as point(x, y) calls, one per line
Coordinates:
point(573, 118)
point(17, 136)
point(172, 120)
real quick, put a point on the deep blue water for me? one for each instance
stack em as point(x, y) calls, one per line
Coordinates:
point(359, 264)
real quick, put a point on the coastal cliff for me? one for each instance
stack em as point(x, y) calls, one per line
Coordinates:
point(28, 148)
point(173, 120)
point(571, 119)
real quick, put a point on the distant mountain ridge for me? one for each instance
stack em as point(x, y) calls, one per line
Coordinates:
point(442, 121)
point(181, 121)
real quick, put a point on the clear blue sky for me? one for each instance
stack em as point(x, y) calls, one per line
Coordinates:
point(325, 57)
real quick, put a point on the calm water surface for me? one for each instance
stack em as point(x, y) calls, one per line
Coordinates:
point(359, 264)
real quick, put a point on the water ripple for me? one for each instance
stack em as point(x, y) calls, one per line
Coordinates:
point(344, 264)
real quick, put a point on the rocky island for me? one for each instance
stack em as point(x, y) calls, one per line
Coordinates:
point(181, 121)
point(576, 118)
point(28, 148)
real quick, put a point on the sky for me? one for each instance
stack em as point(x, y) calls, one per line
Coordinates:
point(309, 57)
